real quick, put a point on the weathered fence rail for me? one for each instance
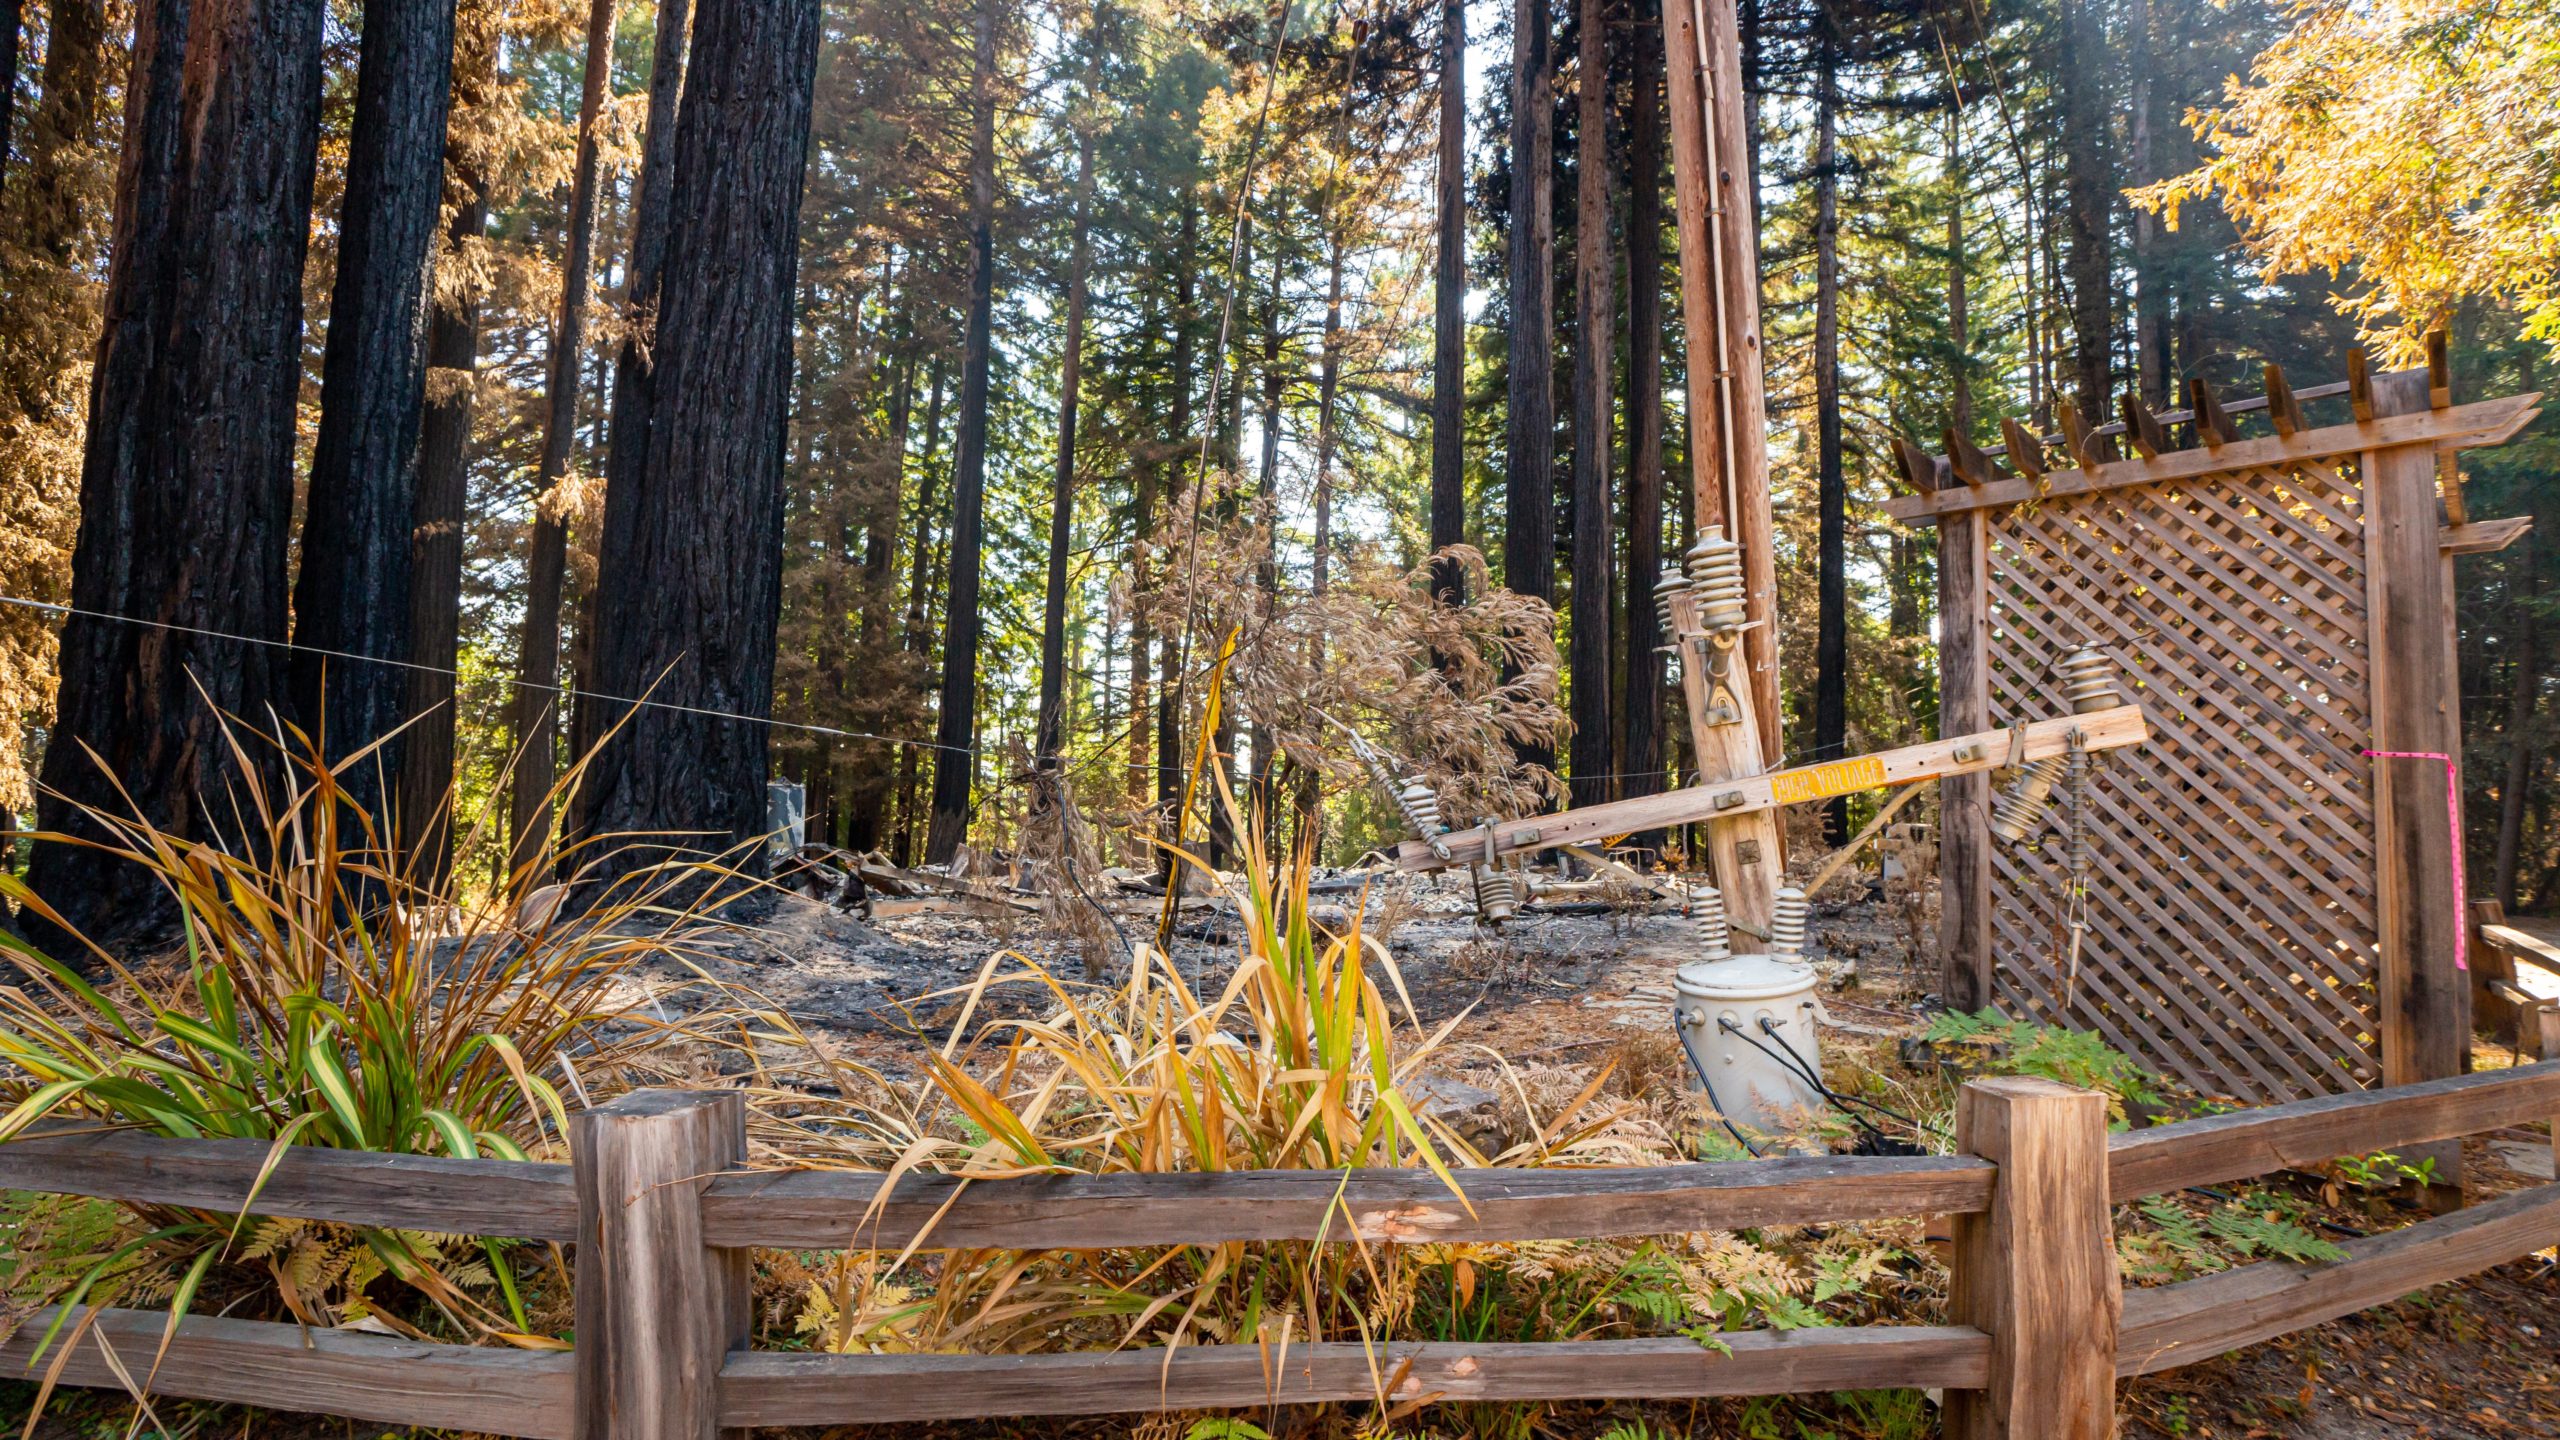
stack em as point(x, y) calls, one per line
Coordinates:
point(661, 1216)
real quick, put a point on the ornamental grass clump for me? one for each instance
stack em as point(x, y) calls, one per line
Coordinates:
point(325, 994)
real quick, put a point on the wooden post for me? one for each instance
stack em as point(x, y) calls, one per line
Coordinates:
point(2546, 1020)
point(2037, 1271)
point(1720, 314)
point(2490, 965)
point(1743, 852)
point(2425, 1032)
point(657, 1310)
point(1964, 801)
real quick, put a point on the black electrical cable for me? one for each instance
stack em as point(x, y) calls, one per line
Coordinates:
point(1770, 1029)
point(1709, 1086)
point(1838, 1101)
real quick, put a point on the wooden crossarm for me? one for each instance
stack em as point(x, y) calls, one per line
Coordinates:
point(1962, 755)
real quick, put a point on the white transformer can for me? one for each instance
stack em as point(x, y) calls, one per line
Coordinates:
point(1756, 1086)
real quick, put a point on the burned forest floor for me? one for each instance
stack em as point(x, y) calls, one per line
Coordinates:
point(1575, 991)
point(1584, 981)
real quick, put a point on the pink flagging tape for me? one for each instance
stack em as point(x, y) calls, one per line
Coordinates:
point(2453, 824)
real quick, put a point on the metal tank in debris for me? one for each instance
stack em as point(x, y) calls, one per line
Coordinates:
point(1747, 1021)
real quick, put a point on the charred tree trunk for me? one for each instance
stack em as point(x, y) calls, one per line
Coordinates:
point(186, 499)
point(1052, 735)
point(2150, 294)
point(1594, 533)
point(435, 562)
point(1308, 798)
point(2090, 188)
point(687, 613)
point(1831, 633)
point(1178, 429)
point(1959, 344)
point(1529, 534)
point(635, 367)
point(12, 17)
point(919, 634)
point(353, 593)
point(955, 768)
point(859, 783)
point(1259, 800)
point(75, 62)
point(1328, 429)
point(534, 709)
point(1142, 660)
point(1640, 719)
point(1449, 306)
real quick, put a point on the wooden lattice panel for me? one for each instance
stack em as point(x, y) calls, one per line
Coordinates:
point(2232, 863)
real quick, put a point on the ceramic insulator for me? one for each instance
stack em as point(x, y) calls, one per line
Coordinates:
point(1707, 919)
point(2089, 681)
point(1786, 923)
point(1715, 571)
point(2021, 809)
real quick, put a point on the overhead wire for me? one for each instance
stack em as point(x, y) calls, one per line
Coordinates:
point(23, 603)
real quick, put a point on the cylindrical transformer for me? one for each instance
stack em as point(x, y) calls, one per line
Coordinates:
point(1720, 1011)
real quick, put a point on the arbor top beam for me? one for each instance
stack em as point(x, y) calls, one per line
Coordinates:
point(2455, 427)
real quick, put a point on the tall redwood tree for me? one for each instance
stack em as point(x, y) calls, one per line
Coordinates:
point(956, 729)
point(687, 602)
point(534, 708)
point(1449, 302)
point(1594, 406)
point(186, 501)
point(1529, 482)
point(353, 592)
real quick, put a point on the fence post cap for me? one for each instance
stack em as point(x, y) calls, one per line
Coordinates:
point(2026, 1087)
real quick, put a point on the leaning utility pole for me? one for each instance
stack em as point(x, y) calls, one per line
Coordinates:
point(1728, 665)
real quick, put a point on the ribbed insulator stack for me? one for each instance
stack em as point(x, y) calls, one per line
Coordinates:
point(2020, 812)
point(2089, 681)
point(1707, 920)
point(1497, 895)
point(1715, 572)
point(1670, 587)
point(1421, 806)
point(1786, 923)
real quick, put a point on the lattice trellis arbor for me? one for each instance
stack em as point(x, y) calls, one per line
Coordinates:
point(2270, 911)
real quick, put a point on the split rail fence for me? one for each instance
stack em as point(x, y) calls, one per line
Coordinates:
point(662, 1216)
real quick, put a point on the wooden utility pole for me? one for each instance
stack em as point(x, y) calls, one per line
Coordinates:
point(1720, 311)
point(1729, 484)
